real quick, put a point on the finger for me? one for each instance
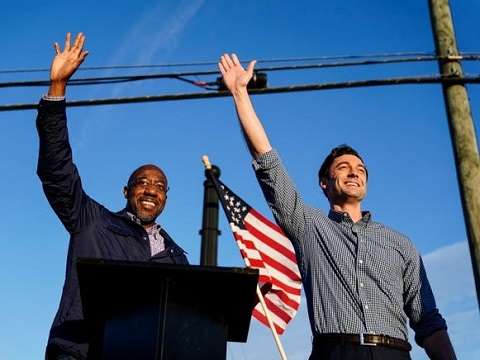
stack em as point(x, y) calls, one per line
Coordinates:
point(79, 40)
point(235, 60)
point(228, 60)
point(224, 62)
point(76, 48)
point(83, 55)
point(56, 47)
point(250, 67)
point(222, 69)
point(81, 44)
point(67, 42)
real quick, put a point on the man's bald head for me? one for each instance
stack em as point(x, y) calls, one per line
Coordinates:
point(141, 168)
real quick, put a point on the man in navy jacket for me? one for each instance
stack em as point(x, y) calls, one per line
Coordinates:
point(95, 232)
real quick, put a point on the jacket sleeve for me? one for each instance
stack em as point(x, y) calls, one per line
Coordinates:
point(57, 172)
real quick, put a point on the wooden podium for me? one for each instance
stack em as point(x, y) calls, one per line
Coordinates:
point(149, 311)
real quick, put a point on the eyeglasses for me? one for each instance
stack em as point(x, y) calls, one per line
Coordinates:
point(144, 182)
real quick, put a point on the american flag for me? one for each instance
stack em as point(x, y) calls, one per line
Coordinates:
point(264, 246)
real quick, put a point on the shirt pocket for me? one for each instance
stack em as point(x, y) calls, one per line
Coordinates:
point(387, 264)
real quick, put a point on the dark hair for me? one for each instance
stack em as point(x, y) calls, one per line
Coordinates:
point(338, 151)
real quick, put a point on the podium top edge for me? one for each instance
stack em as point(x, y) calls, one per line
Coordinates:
point(155, 265)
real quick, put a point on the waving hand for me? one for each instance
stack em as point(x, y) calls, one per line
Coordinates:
point(234, 75)
point(65, 63)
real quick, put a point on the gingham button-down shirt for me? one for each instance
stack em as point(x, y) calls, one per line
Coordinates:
point(358, 277)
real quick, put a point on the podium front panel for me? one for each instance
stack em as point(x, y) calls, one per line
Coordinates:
point(156, 311)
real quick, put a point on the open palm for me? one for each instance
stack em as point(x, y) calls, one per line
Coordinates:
point(66, 62)
point(234, 75)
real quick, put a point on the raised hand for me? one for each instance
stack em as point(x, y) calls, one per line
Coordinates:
point(65, 63)
point(234, 75)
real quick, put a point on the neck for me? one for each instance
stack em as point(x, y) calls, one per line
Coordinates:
point(354, 210)
point(139, 221)
point(148, 226)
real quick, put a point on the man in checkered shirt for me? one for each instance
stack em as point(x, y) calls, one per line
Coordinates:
point(362, 280)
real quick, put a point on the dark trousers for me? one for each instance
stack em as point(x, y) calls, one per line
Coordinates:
point(356, 352)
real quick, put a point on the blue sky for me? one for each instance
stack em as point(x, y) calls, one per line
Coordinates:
point(402, 132)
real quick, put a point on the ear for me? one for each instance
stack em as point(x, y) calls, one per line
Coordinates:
point(125, 192)
point(323, 183)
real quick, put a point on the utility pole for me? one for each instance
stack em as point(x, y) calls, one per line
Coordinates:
point(209, 231)
point(461, 126)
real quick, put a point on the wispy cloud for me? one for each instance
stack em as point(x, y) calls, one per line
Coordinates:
point(145, 46)
point(450, 273)
point(166, 37)
point(153, 38)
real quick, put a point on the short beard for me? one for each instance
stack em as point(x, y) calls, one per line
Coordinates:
point(143, 217)
point(146, 219)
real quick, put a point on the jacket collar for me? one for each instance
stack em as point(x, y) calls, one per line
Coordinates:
point(123, 214)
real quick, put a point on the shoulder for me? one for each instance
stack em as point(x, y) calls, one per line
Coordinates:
point(116, 222)
point(395, 238)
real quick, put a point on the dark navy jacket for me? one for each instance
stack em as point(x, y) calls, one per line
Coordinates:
point(95, 231)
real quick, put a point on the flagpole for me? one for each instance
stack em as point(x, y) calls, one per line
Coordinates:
point(283, 356)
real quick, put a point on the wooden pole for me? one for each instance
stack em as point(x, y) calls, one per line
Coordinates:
point(461, 126)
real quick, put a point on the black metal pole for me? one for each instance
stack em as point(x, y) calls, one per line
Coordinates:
point(209, 231)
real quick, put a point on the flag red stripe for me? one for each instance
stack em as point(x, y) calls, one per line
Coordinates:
point(266, 221)
point(264, 279)
point(260, 317)
point(271, 242)
point(279, 267)
point(274, 308)
point(260, 264)
point(287, 288)
point(289, 302)
point(249, 244)
point(272, 263)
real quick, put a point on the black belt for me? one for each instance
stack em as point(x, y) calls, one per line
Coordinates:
point(363, 339)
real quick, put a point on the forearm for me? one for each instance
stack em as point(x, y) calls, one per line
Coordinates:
point(53, 136)
point(252, 128)
point(439, 347)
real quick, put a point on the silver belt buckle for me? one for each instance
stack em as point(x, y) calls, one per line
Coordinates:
point(362, 340)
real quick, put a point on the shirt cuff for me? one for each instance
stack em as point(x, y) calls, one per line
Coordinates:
point(53, 98)
point(430, 324)
point(266, 160)
point(51, 106)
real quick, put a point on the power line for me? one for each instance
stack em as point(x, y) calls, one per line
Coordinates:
point(181, 75)
point(465, 56)
point(433, 79)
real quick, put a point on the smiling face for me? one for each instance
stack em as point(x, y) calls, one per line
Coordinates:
point(346, 181)
point(146, 193)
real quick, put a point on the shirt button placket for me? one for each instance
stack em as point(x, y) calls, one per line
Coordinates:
point(360, 269)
